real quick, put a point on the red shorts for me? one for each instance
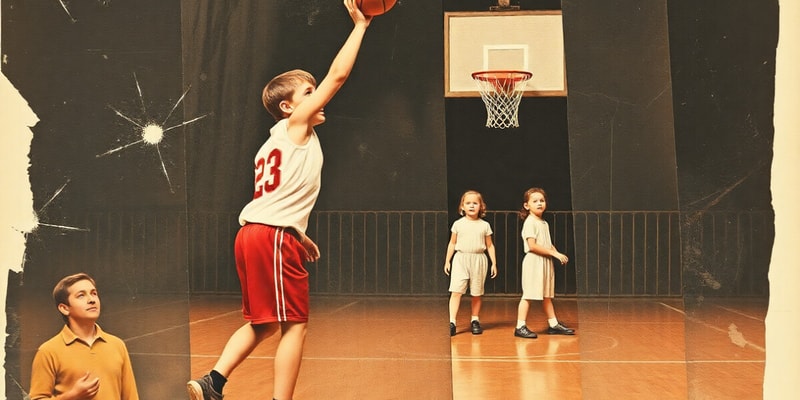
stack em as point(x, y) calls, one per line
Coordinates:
point(274, 281)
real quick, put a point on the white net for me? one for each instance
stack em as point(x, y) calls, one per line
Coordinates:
point(501, 92)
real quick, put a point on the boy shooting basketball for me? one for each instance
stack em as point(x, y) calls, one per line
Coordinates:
point(271, 245)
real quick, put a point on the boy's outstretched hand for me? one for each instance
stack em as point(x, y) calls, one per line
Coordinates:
point(355, 13)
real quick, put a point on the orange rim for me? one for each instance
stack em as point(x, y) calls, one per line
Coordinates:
point(502, 75)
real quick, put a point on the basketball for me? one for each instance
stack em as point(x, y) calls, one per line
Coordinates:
point(375, 7)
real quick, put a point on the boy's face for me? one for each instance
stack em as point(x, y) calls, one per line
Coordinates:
point(83, 302)
point(536, 204)
point(303, 90)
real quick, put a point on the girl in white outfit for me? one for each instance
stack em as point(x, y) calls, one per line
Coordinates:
point(470, 241)
point(538, 277)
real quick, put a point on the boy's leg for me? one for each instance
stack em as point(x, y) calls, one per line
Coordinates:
point(241, 344)
point(288, 358)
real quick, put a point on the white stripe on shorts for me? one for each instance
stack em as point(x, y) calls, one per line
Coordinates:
point(277, 270)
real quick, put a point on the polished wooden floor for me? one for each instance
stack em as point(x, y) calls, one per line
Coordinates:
point(356, 348)
point(398, 348)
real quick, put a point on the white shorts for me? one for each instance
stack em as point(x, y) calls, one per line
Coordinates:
point(468, 269)
point(538, 277)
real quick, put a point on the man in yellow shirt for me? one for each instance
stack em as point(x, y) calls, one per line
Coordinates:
point(82, 361)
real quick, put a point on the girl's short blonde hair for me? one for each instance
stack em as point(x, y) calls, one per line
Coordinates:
point(482, 212)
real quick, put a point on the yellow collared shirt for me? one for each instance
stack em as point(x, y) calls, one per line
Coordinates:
point(64, 359)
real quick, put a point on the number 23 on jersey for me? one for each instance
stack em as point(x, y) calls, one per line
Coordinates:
point(268, 173)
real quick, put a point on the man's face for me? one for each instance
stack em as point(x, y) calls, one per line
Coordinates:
point(84, 302)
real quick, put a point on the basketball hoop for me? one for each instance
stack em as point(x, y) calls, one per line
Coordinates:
point(501, 92)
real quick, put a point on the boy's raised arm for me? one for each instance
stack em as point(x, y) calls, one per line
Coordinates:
point(339, 70)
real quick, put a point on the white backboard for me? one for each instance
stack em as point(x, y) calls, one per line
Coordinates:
point(530, 41)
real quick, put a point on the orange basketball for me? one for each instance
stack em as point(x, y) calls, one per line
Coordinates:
point(375, 7)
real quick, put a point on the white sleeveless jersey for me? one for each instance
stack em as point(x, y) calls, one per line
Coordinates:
point(287, 181)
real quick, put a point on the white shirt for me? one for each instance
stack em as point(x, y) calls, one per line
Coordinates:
point(471, 235)
point(538, 229)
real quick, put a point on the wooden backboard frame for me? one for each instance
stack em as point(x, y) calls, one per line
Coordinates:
point(511, 40)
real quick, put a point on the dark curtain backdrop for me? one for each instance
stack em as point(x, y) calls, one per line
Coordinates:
point(622, 141)
point(723, 68)
point(723, 83)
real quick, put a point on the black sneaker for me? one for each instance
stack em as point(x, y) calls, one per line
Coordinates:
point(560, 329)
point(524, 332)
point(452, 329)
point(201, 389)
point(476, 328)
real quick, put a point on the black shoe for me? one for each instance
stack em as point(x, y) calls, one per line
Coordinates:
point(452, 329)
point(524, 332)
point(201, 389)
point(476, 328)
point(560, 329)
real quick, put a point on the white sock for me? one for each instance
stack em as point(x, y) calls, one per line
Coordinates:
point(520, 323)
point(552, 321)
point(475, 318)
point(452, 321)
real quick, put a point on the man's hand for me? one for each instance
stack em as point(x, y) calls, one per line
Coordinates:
point(85, 388)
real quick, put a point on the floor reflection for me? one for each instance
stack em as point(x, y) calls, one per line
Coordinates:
point(624, 348)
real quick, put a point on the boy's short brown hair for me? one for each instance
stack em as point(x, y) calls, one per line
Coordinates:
point(281, 88)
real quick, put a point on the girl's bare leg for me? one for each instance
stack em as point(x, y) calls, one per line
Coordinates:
point(455, 302)
point(522, 309)
point(547, 307)
point(477, 301)
point(555, 326)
